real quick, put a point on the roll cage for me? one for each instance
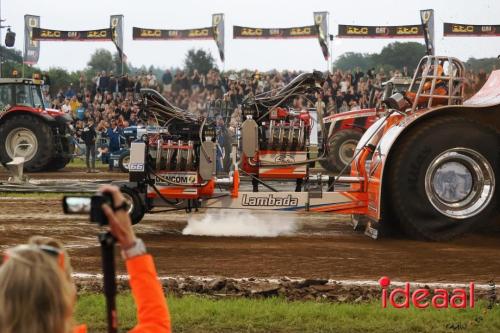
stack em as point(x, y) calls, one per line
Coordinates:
point(438, 71)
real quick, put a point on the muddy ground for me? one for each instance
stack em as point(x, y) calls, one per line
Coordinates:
point(324, 246)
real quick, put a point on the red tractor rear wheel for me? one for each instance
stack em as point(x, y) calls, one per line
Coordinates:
point(341, 148)
point(29, 137)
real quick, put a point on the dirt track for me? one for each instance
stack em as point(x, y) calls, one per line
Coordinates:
point(324, 247)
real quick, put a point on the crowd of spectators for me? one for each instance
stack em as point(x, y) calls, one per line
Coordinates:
point(110, 100)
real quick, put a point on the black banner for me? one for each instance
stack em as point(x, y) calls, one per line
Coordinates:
point(116, 23)
point(309, 31)
point(31, 47)
point(459, 29)
point(427, 18)
point(219, 31)
point(321, 21)
point(160, 34)
point(60, 35)
point(396, 31)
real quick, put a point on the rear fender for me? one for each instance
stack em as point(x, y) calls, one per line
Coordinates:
point(488, 115)
point(9, 114)
point(359, 120)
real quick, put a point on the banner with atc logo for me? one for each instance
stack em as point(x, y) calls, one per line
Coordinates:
point(215, 32)
point(474, 30)
point(365, 31)
point(309, 31)
point(61, 35)
point(162, 34)
point(31, 47)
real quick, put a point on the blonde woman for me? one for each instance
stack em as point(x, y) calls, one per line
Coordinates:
point(38, 295)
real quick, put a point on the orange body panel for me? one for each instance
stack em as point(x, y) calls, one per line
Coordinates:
point(423, 100)
point(236, 184)
point(208, 189)
point(185, 192)
point(281, 173)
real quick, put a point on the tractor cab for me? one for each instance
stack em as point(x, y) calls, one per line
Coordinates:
point(21, 92)
point(438, 80)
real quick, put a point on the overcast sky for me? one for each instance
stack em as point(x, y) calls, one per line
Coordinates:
point(302, 54)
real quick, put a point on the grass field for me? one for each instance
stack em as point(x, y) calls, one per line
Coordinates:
point(200, 314)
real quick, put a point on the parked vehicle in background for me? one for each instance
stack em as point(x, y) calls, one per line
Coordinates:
point(29, 129)
point(345, 129)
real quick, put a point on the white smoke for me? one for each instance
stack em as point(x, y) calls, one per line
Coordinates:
point(241, 223)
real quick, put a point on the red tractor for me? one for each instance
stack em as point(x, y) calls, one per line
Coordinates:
point(346, 129)
point(31, 130)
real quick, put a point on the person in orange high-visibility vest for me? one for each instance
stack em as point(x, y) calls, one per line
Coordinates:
point(40, 273)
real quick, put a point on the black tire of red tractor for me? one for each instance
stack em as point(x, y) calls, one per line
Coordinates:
point(43, 133)
point(333, 162)
point(62, 159)
point(139, 207)
point(121, 161)
point(58, 163)
point(405, 195)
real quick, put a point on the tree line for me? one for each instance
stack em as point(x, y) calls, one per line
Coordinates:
point(398, 54)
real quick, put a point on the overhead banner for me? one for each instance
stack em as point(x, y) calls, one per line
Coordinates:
point(116, 24)
point(215, 32)
point(309, 31)
point(321, 22)
point(395, 31)
point(160, 34)
point(31, 47)
point(218, 31)
point(61, 35)
point(460, 29)
point(427, 18)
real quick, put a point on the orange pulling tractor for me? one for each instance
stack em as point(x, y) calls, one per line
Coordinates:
point(428, 166)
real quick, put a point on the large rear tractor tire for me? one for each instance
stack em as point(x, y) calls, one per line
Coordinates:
point(29, 137)
point(441, 178)
point(137, 207)
point(341, 148)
